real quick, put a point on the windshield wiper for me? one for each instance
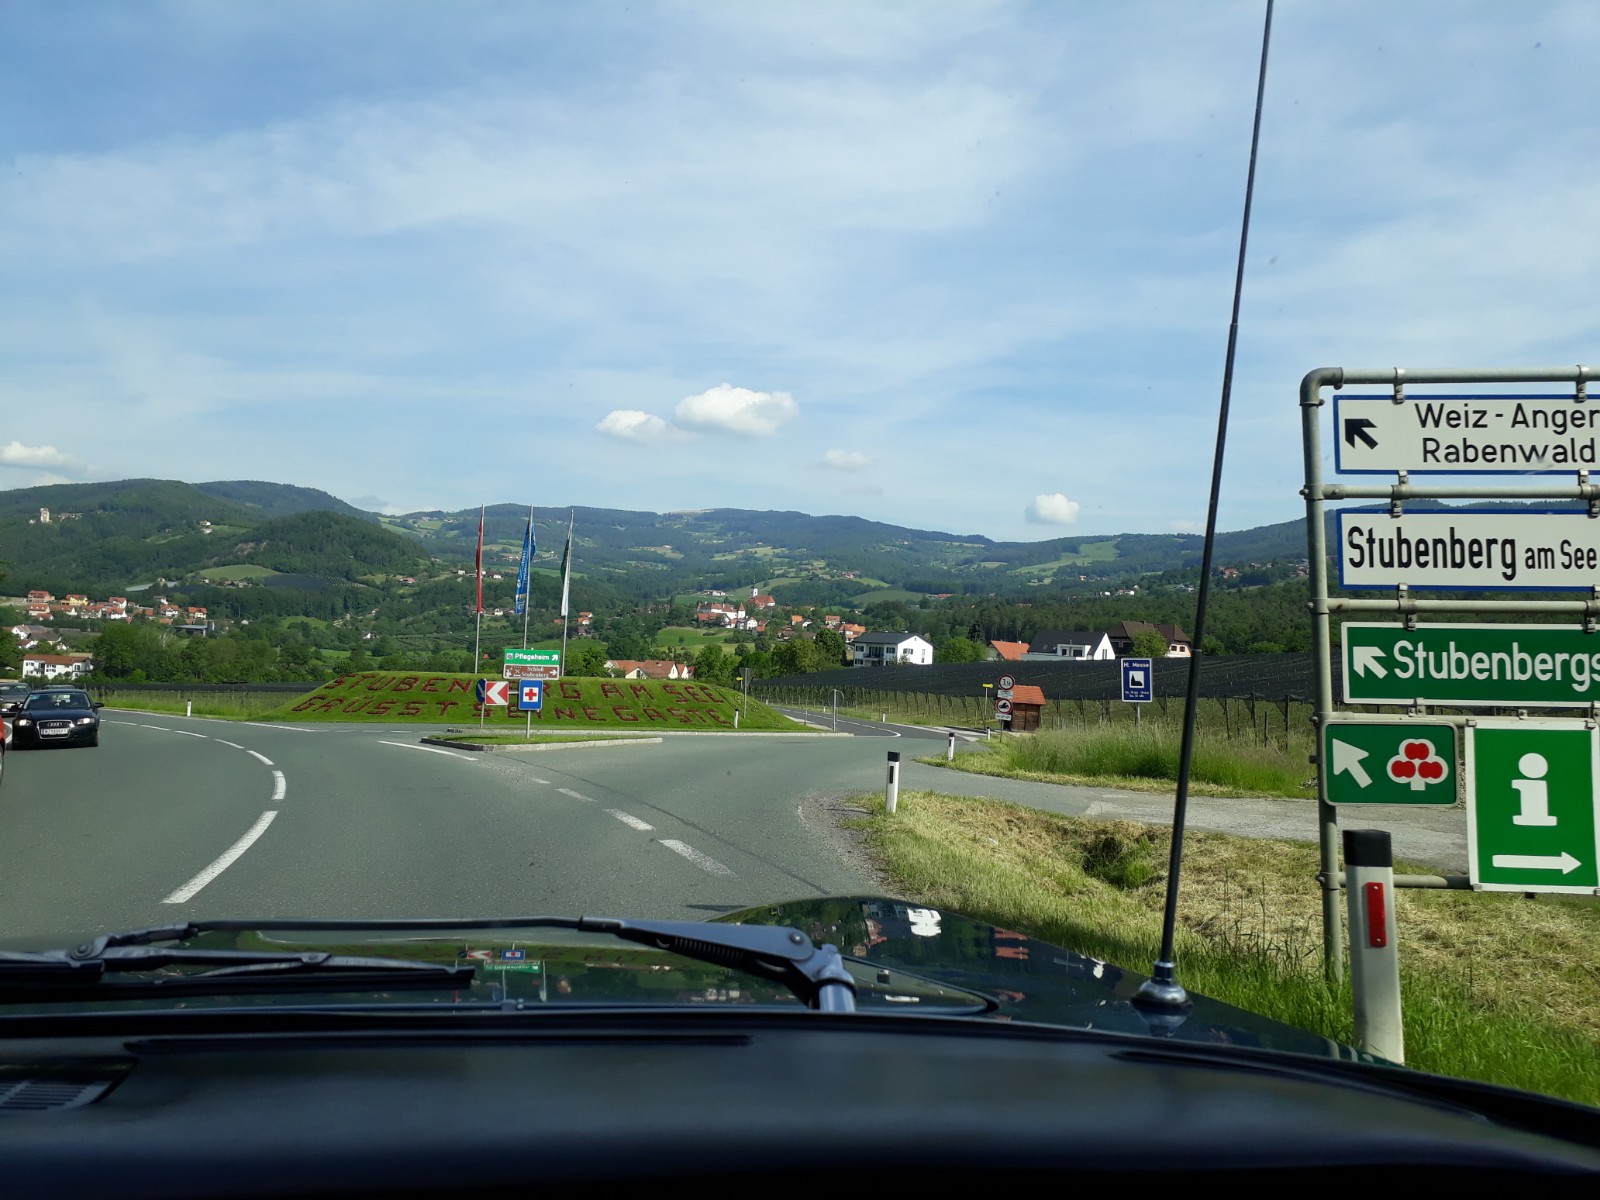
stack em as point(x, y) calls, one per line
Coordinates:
point(815, 974)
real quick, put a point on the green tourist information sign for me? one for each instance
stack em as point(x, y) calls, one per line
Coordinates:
point(1531, 806)
point(1502, 666)
point(1397, 762)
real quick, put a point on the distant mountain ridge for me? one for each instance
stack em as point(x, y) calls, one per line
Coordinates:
point(111, 533)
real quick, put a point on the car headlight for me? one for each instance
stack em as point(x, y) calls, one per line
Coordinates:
point(24, 721)
point(86, 720)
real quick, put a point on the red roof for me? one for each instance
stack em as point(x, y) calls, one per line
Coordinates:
point(1026, 693)
point(1010, 651)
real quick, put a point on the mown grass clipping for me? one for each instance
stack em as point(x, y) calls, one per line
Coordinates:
point(1496, 987)
point(569, 704)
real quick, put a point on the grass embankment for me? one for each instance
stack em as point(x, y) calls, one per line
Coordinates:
point(239, 706)
point(540, 739)
point(575, 705)
point(1496, 987)
point(1143, 760)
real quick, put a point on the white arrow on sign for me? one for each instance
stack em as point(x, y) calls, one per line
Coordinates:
point(1369, 658)
point(1562, 862)
point(1348, 758)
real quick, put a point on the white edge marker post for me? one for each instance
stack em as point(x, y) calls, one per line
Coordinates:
point(950, 749)
point(188, 708)
point(891, 793)
point(1374, 956)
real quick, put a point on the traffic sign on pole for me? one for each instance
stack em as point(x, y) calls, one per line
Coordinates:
point(493, 692)
point(1007, 682)
point(1501, 666)
point(531, 664)
point(1462, 435)
point(1531, 802)
point(1138, 681)
point(530, 695)
point(1394, 762)
point(1002, 707)
point(1521, 550)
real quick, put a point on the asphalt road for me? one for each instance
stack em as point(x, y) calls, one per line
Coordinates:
point(172, 818)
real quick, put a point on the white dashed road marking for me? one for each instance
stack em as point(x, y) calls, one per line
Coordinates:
point(429, 749)
point(186, 733)
point(229, 857)
point(235, 745)
point(262, 757)
point(279, 787)
point(704, 861)
point(575, 795)
point(634, 822)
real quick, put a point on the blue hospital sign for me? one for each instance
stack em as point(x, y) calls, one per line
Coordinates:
point(530, 695)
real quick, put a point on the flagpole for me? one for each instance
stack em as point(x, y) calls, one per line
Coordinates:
point(565, 592)
point(527, 599)
point(477, 634)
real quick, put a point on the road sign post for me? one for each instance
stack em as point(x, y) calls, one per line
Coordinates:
point(1531, 802)
point(1462, 435)
point(1469, 550)
point(1138, 683)
point(1396, 762)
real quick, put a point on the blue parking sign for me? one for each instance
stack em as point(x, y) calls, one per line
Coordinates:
point(1138, 681)
point(530, 695)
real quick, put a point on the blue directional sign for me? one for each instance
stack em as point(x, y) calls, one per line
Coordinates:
point(1138, 681)
point(530, 695)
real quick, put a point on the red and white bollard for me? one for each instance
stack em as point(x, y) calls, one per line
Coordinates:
point(1374, 952)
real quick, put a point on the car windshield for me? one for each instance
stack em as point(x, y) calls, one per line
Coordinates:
point(48, 700)
point(689, 461)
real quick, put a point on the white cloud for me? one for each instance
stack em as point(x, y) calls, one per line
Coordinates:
point(1052, 508)
point(738, 410)
point(847, 460)
point(1183, 525)
point(632, 425)
point(15, 454)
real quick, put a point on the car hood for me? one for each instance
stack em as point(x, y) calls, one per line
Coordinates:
point(911, 959)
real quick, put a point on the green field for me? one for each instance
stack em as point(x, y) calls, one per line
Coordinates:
point(238, 571)
point(1088, 552)
point(886, 595)
point(571, 705)
point(686, 635)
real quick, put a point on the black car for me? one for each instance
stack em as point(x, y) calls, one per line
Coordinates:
point(57, 717)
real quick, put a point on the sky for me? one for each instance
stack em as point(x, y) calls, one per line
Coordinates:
point(963, 266)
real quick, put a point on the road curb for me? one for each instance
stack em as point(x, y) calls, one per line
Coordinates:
point(478, 747)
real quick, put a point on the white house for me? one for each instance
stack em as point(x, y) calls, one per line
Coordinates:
point(56, 666)
point(1077, 645)
point(876, 649)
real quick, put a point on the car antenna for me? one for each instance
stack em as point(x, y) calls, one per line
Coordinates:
point(1162, 992)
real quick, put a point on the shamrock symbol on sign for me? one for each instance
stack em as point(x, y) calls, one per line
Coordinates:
point(1417, 764)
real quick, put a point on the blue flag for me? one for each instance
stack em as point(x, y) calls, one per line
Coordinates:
point(520, 604)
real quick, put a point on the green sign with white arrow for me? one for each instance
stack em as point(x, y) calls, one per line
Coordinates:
point(1531, 806)
point(1504, 666)
point(1397, 762)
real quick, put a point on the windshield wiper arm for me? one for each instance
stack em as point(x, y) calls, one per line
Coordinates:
point(814, 973)
point(87, 966)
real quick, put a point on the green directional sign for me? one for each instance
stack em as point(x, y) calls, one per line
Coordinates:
point(1531, 806)
point(1396, 762)
point(1509, 666)
point(531, 664)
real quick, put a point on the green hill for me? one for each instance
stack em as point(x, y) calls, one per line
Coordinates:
point(279, 499)
point(570, 704)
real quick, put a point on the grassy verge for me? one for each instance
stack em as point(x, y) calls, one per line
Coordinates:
point(239, 706)
point(1143, 760)
point(1497, 987)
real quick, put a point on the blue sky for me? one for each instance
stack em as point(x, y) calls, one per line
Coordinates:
point(961, 266)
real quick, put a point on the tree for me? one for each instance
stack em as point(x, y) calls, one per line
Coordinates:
point(711, 665)
point(830, 648)
point(587, 660)
point(958, 650)
point(1147, 643)
point(797, 656)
